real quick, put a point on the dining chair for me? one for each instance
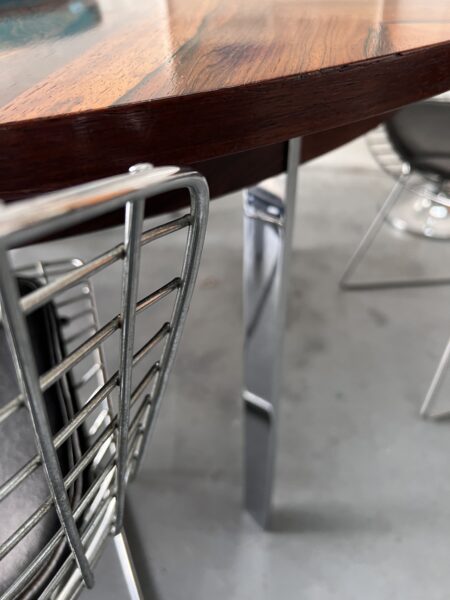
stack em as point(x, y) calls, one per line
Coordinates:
point(412, 147)
point(73, 430)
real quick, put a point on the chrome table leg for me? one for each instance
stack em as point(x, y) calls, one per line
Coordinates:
point(268, 225)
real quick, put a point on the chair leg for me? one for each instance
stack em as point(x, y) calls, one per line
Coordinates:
point(345, 282)
point(430, 398)
point(127, 565)
point(268, 225)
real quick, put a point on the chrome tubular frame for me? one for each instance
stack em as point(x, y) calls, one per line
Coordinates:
point(347, 283)
point(134, 219)
point(116, 437)
point(268, 227)
point(389, 160)
point(21, 348)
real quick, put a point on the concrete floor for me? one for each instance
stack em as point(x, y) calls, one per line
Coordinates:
point(361, 508)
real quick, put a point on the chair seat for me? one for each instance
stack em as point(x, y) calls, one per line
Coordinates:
point(419, 133)
point(17, 446)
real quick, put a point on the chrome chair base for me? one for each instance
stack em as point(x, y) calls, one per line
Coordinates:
point(419, 214)
point(268, 226)
point(387, 213)
point(399, 219)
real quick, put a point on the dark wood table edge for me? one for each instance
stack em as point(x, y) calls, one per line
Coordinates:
point(196, 130)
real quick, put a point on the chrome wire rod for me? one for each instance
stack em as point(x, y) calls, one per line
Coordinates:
point(25, 528)
point(63, 435)
point(145, 382)
point(87, 533)
point(23, 222)
point(45, 554)
point(66, 263)
point(100, 357)
point(136, 429)
point(90, 530)
point(42, 295)
point(20, 344)
point(134, 433)
point(370, 235)
point(104, 515)
point(196, 237)
point(165, 229)
point(43, 509)
point(114, 432)
point(50, 377)
point(158, 295)
point(134, 218)
point(152, 342)
point(78, 468)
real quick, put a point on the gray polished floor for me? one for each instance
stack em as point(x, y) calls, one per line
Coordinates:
point(362, 503)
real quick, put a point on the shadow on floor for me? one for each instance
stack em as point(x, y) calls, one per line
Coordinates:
point(327, 519)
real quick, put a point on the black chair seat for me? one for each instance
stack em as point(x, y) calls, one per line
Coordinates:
point(420, 134)
point(17, 446)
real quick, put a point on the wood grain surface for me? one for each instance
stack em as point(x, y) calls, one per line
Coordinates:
point(86, 93)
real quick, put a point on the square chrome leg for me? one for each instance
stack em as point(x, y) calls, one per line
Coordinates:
point(268, 225)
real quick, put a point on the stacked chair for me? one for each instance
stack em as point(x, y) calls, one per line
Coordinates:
point(413, 146)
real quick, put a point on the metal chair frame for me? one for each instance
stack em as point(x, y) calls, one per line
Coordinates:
point(391, 163)
point(389, 160)
point(83, 300)
point(117, 433)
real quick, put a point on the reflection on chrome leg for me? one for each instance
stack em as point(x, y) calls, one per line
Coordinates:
point(268, 225)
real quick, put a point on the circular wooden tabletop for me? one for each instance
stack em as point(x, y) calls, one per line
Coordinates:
point(88, 87)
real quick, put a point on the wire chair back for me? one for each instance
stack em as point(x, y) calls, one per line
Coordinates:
point(109, 426)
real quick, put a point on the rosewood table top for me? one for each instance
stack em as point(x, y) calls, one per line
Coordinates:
point(88, 87)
